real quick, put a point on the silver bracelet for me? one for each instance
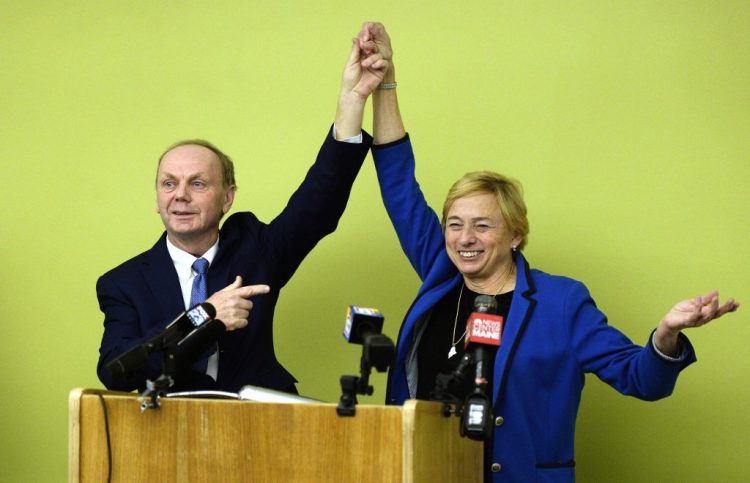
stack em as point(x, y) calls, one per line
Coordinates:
point(386, 86)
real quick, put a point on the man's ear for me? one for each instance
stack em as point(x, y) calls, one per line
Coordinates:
point(229, 198)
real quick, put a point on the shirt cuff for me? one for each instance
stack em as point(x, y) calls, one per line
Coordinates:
point(352, 140)
point(681, 351)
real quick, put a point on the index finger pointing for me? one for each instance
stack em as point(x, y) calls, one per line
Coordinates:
point(251, 290)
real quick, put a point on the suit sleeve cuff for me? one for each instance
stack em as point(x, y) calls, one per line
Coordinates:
point(682, 353)
point(376, 147)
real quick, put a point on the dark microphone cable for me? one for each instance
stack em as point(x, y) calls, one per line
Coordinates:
point(109, 442)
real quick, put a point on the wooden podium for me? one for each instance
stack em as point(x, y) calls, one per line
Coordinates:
point(229, 440)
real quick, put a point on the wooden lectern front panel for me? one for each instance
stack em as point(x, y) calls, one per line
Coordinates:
point(226, 440)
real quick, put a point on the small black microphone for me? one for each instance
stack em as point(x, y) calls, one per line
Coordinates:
point(365, 326)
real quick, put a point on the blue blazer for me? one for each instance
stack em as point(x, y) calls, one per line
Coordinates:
point(141, 296)
point(553, 335)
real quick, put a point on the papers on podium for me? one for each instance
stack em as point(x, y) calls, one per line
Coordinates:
point(248, 393)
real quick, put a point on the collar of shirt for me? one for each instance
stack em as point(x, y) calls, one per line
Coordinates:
point(183, 264)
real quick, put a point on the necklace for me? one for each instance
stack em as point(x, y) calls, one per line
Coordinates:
point(452, 351)
point(454, 342)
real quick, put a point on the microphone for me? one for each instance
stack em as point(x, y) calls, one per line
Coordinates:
point(174, 332)
point(365, 326)
point(361, 320)
point(483, 330)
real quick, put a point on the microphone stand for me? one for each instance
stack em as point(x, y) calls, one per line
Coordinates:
point(350, 387)
point(377, 351)
point(476, 420)
point(443, 382)
point(475, 410)
point(157, 388)
point(179, 355)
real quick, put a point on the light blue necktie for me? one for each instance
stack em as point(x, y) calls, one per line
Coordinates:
point(198, 294)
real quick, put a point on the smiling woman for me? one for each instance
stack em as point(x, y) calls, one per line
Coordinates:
point(626, 122)
point(478, 238)
point(552, 331)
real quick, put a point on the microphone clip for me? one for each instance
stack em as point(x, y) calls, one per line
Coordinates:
point(158, 388)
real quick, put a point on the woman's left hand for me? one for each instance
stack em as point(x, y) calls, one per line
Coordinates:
point(693, 312)
point(697, 311)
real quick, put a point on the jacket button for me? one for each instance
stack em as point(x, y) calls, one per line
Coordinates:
point(496, 467)
point(499, 421)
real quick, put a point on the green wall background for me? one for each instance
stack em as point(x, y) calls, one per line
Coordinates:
point(626, 121)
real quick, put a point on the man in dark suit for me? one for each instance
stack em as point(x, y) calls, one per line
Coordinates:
point(248, 261)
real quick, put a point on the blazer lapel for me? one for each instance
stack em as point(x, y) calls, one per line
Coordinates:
point(161, 278)
point(521, 309)
point(219, 275)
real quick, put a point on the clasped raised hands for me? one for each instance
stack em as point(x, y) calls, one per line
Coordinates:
point(369, 60)
point(373, 39)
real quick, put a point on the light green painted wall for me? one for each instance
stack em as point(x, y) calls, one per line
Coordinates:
point(626, 121)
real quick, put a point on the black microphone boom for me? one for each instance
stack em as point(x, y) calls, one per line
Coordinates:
point(174, 332)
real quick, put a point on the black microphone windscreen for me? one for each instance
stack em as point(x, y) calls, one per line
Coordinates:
point(485, 304)
point(130, 361)
point(198, 341)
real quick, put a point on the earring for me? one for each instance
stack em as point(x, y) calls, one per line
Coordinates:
point(513, 247)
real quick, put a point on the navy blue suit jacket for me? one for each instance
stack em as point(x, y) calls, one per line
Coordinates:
point(141, 296)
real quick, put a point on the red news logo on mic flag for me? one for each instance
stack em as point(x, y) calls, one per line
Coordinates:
point(483, 329)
